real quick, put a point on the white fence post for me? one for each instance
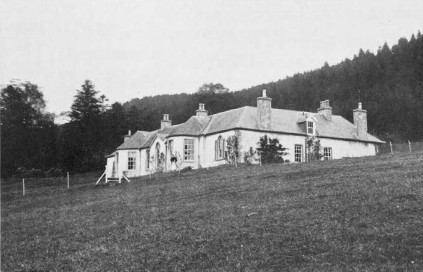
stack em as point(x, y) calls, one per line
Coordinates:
point(67, 175)
point(409, 146)
point(23, 186)
point(390, 144)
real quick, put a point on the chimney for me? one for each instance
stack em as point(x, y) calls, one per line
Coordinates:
point(325, 109)
point(360, 121)
point(201, 112)
point(126, 137)
point(165, 122)
point(264, 111)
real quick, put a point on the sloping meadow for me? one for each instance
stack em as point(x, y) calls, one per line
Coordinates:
point(342, 215)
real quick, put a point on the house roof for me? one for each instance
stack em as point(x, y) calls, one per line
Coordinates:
point(282, 121)
point(138, 140)
point(193, 127)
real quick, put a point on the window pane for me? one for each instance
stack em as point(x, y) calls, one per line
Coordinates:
point(327, 153)
point(131, 160)
point(189, 149)
point(298, 149)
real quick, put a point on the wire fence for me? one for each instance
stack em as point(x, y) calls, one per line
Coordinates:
point(13, 187)
point(390, 147)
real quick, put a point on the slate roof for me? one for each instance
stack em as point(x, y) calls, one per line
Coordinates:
point(138, 140)
point(193, 127)
point(283, 121)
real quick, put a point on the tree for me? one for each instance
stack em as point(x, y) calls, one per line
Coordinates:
point(212, 88)
point(271, 150)
point(313, 147)
point(27, 130)
point(83, 142)
point(233, 147)
point(86, 105)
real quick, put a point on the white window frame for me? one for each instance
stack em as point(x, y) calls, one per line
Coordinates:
point(188, 149)
point(132, 160)
point(298, 156)
point(147, 161)
point(310, 125)
point(327, 153)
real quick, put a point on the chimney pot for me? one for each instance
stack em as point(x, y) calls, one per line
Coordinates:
point(165, 122)
point(126, 137)
point(325, 109)
point(201, 112)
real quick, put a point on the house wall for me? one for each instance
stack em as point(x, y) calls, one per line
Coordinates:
point(122, 162)
point(109, 166)
point(143, 162)
point(204, 150)
point(251, 139)
point(207, 157)
point(342, 149)
point(178, 148)
point(247, 139)
point(153, 155)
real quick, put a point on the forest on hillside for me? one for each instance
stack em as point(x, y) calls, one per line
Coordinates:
point(388, 82)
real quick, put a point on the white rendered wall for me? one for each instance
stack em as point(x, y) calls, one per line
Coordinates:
point(109, 166)
point(207, 157)
point(342, 149)
point(122, 163)
point(178, 147)
point(204, 149)
point(251, 139)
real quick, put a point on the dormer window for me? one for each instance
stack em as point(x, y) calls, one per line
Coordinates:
point(310, 127)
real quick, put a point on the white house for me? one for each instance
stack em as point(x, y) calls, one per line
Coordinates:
point(200, 141)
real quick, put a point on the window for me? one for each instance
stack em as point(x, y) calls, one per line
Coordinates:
point(189, 149)
point(158, 157)
point(219, 148)
point(310, 127)
point(170, 146)
point(147, 161)
point(298, 153)
point(327, 153)
point(131, 160)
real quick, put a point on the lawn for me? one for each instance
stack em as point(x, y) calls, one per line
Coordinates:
point(358, 214)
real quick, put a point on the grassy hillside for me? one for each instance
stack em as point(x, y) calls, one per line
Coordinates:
point(345, 215)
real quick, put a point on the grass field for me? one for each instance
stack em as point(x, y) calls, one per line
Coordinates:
point(360, 214)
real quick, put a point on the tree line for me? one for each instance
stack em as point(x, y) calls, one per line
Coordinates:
point(388, 82)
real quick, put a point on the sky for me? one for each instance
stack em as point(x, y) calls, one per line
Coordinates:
point(132, 49)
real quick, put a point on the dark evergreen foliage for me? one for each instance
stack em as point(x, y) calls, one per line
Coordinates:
point(389, 83)
point(27, 133)
point(270, 150)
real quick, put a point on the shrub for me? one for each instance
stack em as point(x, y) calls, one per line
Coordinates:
point(54, 172)
point(35, 173)
point(313, 149)
point(21, 172)
point(251, 156)
point(271, 150)
point(186, 169)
